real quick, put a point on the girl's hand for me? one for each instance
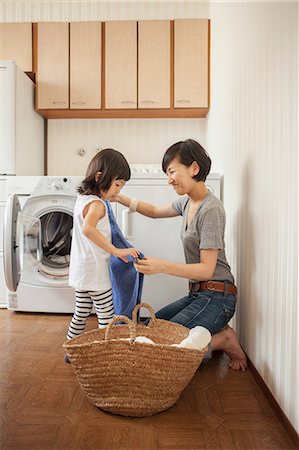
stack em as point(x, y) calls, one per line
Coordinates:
point(150, 265)
point(121, 253)
point(115, 198)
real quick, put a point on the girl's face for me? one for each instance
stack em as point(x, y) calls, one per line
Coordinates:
point(180, 177)
point(114, 190)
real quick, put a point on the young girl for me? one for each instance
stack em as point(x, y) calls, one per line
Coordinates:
point(91, 247)
point(212, 295)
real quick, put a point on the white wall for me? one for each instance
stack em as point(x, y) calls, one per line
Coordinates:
point(252, 127)
point(251, 135)
point(140, 140)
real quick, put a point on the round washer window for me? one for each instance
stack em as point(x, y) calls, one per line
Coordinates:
point(56, 237)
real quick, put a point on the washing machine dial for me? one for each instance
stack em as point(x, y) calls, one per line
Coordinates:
point(56, 186)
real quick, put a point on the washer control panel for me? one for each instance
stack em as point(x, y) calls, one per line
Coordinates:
point(49, 185)
point(153, 173)
point(147, 171)
point(60, 184)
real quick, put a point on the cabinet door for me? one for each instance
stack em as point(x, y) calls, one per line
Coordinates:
point(154, 64)
point(53, 65)
point(16, 44)
point(191, 63)
point(85, 65)
point(121, 64)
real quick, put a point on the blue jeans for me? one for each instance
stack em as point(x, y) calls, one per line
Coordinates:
point(210, 309)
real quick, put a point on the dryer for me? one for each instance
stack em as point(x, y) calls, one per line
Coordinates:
point(37, 243)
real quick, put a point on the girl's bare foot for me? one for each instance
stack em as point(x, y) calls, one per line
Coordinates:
point(227, 341)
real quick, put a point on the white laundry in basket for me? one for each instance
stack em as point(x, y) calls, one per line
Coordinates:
point(198, 338)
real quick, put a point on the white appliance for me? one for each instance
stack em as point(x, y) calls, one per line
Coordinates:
point(39, 271)
point(21, 127)
point(157, 237)
point(22, 187)
point(21, 140)
point(37, 240)
point(3, 197)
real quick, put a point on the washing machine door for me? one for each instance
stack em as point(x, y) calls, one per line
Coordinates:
point(22, 242)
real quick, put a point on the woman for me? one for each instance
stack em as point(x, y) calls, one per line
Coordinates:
point(212, 297)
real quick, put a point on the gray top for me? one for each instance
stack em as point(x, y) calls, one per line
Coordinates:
point(206, 231)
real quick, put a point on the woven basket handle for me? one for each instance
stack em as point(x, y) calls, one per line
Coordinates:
point(130, 324)
point(142, 305)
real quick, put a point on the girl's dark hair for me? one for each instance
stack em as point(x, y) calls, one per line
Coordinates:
point(112, 165)
point(187, 152)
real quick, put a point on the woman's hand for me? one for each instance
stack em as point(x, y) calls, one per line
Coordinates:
point(150, 265)
point(121, 253)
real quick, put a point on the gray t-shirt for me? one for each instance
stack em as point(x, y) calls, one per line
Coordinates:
point(206, 231)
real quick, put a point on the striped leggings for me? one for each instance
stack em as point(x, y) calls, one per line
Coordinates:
point(103, 302)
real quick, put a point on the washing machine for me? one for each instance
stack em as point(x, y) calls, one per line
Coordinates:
point(37, 243)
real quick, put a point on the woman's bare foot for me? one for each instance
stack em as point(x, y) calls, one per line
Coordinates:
point(227, 341)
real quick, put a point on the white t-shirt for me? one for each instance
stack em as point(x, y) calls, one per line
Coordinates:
point(89, 263)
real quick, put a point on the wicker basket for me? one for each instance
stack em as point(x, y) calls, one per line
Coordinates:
point(131, 378)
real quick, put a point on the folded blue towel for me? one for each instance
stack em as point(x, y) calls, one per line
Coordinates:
point(126, 281)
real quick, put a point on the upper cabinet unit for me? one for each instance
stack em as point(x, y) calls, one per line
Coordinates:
point(121, 65)
point(52, 65)
point(16, 44)
point(69, 65)
point(154, 64)
point(150, 68)
point(191, 63)
point(85, 65)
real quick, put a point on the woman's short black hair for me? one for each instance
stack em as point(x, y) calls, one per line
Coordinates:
point(187, 152)
point(112, 165)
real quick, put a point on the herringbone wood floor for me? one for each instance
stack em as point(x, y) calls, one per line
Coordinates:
point(42, 406)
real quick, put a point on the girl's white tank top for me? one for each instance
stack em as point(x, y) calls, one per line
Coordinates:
point(89, 263)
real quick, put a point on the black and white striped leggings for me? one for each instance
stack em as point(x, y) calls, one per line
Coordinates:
point(103, 302)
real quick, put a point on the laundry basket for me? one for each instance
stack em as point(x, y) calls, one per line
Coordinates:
point(133, 378)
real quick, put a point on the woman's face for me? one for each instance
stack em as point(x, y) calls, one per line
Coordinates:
point(180, 177)
point(114, 190)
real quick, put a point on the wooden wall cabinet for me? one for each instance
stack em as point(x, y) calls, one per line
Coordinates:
point(69, 65)
point(121, 65)
point(16, 44)
point(85, 65)
point(52, 65)
point(154, 64)
point(155, 68)
point(191, 63)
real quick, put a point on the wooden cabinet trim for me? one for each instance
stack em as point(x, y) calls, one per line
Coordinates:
point(123, 113)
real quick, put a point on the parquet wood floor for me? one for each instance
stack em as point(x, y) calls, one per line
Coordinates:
point(42, 406)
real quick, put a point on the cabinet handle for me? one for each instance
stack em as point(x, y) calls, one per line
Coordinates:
point(128, 102)
point(148, 101)
point(78, 103)
point(183, 101)
point(59, 102)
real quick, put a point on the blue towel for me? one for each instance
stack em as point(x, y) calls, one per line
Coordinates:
point(126, 281)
